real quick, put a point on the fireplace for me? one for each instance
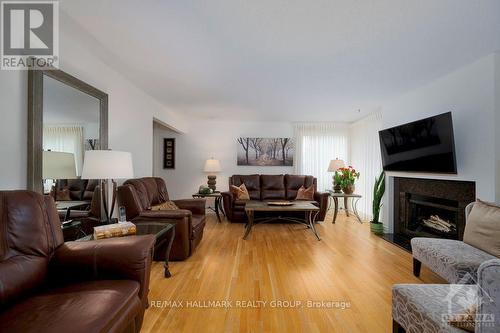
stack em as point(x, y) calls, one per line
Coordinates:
point(429, 208)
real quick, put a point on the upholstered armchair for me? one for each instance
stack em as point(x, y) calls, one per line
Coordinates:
point(139, 195)
point(426, 308)
point(51, 286)
point(453, 260)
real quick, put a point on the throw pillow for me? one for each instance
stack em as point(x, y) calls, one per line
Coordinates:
point(167, 205)
point(305, 193)
point(63, 194)
point(465, 321)
point(483, 228)
point(240, 192)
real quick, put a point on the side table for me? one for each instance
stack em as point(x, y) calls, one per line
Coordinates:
point(354, 204)
point(164, 233)
point(218, 202)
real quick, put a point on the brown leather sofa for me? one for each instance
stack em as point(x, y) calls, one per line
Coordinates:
point(138, 195)
point(270, 187)
point(47, 285)
point(79, 189)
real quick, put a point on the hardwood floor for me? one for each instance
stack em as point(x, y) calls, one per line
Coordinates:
point(282, 262)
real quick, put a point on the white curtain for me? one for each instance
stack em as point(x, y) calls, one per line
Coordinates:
point(317, 144)
point(67, 139)
point(365, 157)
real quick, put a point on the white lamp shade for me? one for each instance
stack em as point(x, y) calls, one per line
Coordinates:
point(212, 165)
point(107, 164)
point(335, 165)
point(58, 165)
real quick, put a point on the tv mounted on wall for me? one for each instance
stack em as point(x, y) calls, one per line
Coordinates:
point(425, 145)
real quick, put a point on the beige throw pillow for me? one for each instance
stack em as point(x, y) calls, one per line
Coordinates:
point(240, 193)
point(483, 228)
point(167, 205)
point(305, 193)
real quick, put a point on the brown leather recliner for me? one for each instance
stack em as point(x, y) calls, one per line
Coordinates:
point(270, 187)
point(138, 195)
point(47, 285)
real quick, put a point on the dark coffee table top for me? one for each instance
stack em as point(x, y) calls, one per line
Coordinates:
point(158, 229)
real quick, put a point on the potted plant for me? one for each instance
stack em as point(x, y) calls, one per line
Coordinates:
point(337, 182)
point(378, 192)
point(348, 177)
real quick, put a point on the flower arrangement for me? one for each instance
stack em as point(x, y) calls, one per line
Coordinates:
point(346, 178)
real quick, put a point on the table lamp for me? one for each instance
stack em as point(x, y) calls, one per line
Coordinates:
point(57, 165)
point(212, 166)
point(107, 165)
point(333, 167)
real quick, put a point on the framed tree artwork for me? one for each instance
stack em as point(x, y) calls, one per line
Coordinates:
point(169, 153)
point(265, 151)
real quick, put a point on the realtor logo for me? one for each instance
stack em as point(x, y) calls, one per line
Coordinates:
point(29, 35)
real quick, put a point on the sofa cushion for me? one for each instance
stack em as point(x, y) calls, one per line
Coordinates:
point(305, 193)
point(94, 306)
point(294, 182)
point(167, 205)
point(63, 194)
point(454, 261)
point(240, 192)
point(421, 308)
point(272, 187)
point(252, 183)
point(483, 228)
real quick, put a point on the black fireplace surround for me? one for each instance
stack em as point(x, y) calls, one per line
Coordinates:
point(429, 208)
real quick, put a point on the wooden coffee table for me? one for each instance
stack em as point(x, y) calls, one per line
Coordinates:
point(307, 207)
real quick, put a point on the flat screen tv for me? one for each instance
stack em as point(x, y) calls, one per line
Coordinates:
point(425, 145)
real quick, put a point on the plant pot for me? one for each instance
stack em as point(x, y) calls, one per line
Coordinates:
point(377, 228)
point(348, 189)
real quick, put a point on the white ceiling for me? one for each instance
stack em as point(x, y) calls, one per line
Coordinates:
point(300, 60)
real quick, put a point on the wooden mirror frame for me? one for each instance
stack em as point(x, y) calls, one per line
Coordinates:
point(35, 118)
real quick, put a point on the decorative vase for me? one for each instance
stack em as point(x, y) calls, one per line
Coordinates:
point(377, 228)
point(348, 189)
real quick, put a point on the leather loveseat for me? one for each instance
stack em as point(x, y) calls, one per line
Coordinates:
point(47, 285)
point(138, 195)
point(270, 187)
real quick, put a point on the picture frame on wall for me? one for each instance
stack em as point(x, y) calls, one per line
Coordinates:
point(169, 153)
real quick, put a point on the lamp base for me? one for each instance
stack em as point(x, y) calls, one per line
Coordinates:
point(211, 182)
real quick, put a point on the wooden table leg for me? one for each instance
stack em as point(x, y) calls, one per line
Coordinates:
point(167, 252)
point(346, 206)
point(355, 209)
point(249, 224)
point(336, 209)
point(311, 217)
point(217, 204)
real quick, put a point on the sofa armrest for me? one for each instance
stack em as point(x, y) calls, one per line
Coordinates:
point(227, 201)
point(322, 199)
point(489, 294)
point(115, 258)
point(181, 248)
point(196, 206)
point(164, 214)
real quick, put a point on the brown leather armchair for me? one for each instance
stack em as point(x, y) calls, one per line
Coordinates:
point(270, 187)
point(51, 286)
point(138, 195)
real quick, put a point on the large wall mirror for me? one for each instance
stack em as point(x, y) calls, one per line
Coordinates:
point(66, 117)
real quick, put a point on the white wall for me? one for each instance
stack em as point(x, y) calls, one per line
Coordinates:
point(131, 111)
point(469, 93)
point(212, 138)
point(497, 123)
